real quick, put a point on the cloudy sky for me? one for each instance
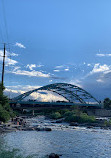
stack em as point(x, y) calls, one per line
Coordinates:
point(57, 41)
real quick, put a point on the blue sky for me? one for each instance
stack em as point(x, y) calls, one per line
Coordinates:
point(57, 41)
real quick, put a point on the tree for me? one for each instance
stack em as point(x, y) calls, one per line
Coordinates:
point(5, 110)
point(107, 103)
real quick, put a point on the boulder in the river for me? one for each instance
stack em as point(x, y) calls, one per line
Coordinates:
point(60, 120)
point(43, 129)
point(53, 155)
point(73, 124)
point(48, 129)
point(89, 126)
point(28, 129)
point(1, 129)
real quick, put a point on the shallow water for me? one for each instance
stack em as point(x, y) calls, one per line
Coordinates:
point(64, 140)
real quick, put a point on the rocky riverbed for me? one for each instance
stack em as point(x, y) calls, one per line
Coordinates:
point(41, 123)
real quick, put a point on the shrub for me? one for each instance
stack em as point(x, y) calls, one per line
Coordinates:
point(4, 115)
point(55, 115)
point(5, 110)
point(77, 116)
point(63, 111)
point(86, 118)
point(68, 113)
point(107, 103)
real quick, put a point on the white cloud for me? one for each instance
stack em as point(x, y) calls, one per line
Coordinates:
point(13, 93)
point(100, 80)
point(67, 69)
point(31, 66)
point(40, 65)
point(100, 68)
point(20, 45)
point(60, 66)
point(76, 82)
point(16, 68)
point(14, 54)
point(8, 61)
point(103, 55)
point(84, 63)
point(47, 96)
point(56, 70)
point(88, 64)
point(31, 73)
point(22, 88)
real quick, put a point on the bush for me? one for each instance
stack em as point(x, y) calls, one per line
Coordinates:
point(86, 118)
point(78, 116)
point(71, 118)
point(68, 113)
point(4, 115)
point(55, 115)
point(5, 110)
point(63, 111)
point(107, 103)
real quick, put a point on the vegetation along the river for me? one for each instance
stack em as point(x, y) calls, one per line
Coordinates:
point(5, 111)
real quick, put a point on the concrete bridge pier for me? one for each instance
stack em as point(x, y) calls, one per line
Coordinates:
point(33, 112)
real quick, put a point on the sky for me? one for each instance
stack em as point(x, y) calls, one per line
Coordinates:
point(54, 41)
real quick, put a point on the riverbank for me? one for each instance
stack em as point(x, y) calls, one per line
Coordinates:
point(45, 123)
point(22, 124)
point(77, 117)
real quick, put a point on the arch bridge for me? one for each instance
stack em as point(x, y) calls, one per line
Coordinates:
point(72, 93)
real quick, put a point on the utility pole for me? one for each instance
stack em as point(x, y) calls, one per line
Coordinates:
point(3, 67)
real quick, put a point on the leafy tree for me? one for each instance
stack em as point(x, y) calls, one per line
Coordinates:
point(107, 103)
point(4, 115)
point(5, 110)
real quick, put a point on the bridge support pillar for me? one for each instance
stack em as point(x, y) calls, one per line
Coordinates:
point(33, 112)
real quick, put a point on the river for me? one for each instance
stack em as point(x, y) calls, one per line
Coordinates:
point(70, 142)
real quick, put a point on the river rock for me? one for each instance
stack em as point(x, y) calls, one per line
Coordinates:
point(28, 129)
point(9, 129)
point(60, 120)
point(53, 155)
point(1, 129)
point(48, 129)
point(73, 124)
point(89, 127)
point(44, 129)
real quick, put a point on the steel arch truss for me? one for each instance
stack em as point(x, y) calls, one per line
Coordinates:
point(70, 92)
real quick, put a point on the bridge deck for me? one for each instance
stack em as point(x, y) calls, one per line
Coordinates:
point(31, 104)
